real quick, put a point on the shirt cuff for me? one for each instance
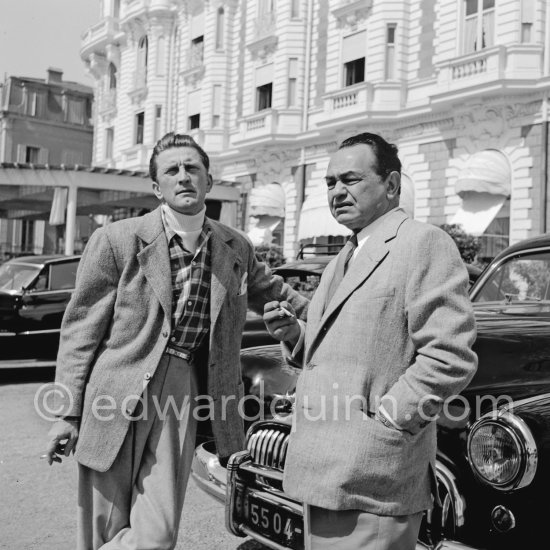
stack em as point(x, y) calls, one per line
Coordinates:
point(299, 344)
point(383, 412)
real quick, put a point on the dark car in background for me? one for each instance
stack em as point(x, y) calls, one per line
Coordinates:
point(493, 458)
point(34, 292)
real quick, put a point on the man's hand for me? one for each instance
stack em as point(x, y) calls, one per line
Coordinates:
point(62, 440)
point(280, 320)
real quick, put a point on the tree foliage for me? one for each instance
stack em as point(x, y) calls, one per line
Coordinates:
point(467, 244)
point(271, 254)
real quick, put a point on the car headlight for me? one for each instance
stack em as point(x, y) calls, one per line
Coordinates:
point(502, 451)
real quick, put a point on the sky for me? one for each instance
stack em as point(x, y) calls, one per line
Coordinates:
point(37, 34)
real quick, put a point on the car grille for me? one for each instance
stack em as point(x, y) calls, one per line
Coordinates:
point(268, 445)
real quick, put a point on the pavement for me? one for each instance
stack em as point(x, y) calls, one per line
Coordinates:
point(38, 502)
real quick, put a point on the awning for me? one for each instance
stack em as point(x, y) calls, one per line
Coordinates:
point(477, 211)
point(486, 172)
point(267, 200)
point(484, 185)
point(316, 219)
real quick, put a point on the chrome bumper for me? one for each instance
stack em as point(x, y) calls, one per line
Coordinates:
point(213, 479)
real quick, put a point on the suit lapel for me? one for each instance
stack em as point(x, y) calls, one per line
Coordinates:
point(223, 259)
point(154, 258)
point(373, 252)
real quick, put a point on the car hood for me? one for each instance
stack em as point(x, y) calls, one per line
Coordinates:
point(513, 348)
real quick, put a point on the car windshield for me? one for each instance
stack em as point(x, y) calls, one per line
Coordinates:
point(522, 278)
point(14, 276)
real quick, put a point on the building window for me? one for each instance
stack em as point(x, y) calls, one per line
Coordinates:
point(295, 9)
point(27, 235)
point(390, 51)
point(216, 106)
point(527, 19)
point(354, 71)
point(265, 6)
point(140, 126)
point(292, 81)
point(142, 60)
point(112, 77)
point(158, 122)
point(194, 121)
point(220, 22)
point(35, 103)
point(109, 141)
point(32, 154)
point(197, 51)
point(479, 25)
point(263, 97)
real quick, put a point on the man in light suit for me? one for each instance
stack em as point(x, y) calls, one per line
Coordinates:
point(159, 307)
point(388, 339)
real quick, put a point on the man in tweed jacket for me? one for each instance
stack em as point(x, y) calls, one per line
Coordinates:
point(159, 305)
point(388, 339)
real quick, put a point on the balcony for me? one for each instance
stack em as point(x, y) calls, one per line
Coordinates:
point(488, 67)
point(268, 124)
point(107, 107)
point(348, 101)
point(96, 39)
point(264, 39)
point(138, 92)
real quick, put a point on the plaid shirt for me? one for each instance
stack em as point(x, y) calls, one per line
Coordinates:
point(190, 289)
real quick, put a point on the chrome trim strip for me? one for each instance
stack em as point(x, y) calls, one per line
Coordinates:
point(235, 460)
point(263, 471)
point(6, 334)
point(448, 479)
point(453, 545)
point(209, 474)
point(31, 332)
point(48, 292)
point(526, 401)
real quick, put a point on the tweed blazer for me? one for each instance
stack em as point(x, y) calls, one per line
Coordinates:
point(118, 322)
point(398, 330)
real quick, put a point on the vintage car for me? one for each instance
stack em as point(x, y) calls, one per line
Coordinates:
point(493, 459)
point(34, 292)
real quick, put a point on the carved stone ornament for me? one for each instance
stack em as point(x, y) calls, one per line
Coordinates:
point(351, 13)
point(261, 50)
point(271, 165)
point(482, 122)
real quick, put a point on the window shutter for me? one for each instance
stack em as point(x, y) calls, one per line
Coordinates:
point(354, 46)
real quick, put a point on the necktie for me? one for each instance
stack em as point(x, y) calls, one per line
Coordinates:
point(341, 266)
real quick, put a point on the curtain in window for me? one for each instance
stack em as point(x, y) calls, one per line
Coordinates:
point(488, 38)
point(470, 35)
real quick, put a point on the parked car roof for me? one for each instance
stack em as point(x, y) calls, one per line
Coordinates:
point(42, 259)
point(527, 244)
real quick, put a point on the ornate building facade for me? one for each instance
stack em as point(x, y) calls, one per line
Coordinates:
point(269, 88)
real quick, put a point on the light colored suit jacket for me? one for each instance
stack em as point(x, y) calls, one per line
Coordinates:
point(118, 322)
point(399, 327)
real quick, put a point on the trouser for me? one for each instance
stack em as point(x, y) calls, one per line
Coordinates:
point(354, 529)
point(137, 503)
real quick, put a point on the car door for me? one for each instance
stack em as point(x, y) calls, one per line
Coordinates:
point(44, 301)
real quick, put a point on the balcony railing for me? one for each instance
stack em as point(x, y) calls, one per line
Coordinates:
point(353, 98)
point(516, 61)
point(98, 36)
point(265, 25)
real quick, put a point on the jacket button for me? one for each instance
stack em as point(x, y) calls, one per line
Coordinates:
point(165, 333)
point(147, 376)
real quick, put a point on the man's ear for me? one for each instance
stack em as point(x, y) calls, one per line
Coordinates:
point(393, 184)
point(157, 191)
point(210, 184)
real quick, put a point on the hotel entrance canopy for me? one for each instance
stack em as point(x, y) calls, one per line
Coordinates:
point(27, 191)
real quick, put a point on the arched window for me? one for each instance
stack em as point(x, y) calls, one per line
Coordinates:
point(112, 77)
point(143, 54)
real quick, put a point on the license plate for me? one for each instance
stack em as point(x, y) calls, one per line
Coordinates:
point(277, 524)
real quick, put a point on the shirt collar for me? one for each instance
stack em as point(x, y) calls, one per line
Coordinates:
point(367, 231)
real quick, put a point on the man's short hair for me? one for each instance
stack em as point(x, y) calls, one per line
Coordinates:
point(386, 153)
point(171, 140)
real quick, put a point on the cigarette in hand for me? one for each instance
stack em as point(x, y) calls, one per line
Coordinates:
point(285, 312)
